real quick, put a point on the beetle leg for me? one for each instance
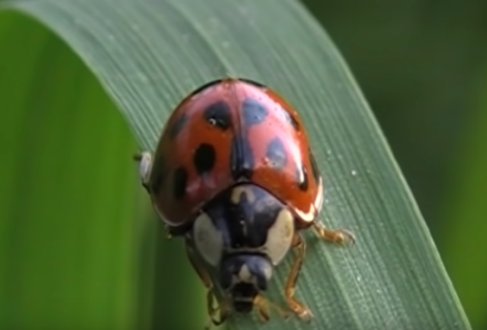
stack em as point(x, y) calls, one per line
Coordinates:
point(339, 236)
point(210, 295)
point(144, 159)
point(263, 305)
point(263, 308)
point(212, 311)
point(297, 307)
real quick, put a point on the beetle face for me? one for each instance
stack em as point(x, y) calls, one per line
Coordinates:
point(243, 276)
point(243, 234)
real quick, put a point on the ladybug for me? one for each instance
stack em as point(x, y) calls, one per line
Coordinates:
point(234, 175)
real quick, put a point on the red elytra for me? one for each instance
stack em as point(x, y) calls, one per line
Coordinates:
point(229, 131)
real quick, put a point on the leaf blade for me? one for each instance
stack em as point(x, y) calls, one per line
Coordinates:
point(393, 276)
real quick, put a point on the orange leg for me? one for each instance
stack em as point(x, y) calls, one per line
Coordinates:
point(297, 307)
point(338, 236)
point(263, 305)
point(210, 296)
point(263, 308)
point(212, 311)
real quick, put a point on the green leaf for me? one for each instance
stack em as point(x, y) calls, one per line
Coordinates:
point(148, 55)
point(464, 225)
point(65, 210)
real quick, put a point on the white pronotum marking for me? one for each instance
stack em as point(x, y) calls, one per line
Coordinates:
point(208, 239)
point(280, 236)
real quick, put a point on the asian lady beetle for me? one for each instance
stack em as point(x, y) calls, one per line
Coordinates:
point(234, 175)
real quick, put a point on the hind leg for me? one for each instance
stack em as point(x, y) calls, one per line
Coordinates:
point(205, 278)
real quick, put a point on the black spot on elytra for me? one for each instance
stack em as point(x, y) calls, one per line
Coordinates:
point(254, 112)
point(314, 167)
point(241, 158)
point(204, 158)
point(180, 180)
point(178, 125)
point(218, 114)
point(276, 153)
point(159, 174)
point(303, 178)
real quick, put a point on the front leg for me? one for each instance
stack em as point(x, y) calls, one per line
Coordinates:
point(263, 306)
point(296, 306)
point(217, 315)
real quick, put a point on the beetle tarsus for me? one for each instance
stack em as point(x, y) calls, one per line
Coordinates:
point(338, 236)
point(215, 319)
point(264, 306)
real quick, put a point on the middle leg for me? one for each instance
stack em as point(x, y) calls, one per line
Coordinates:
point(296, 306)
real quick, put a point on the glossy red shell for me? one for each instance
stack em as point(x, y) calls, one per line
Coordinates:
point(249, 134)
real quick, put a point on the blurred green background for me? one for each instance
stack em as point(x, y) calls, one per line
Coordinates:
point(421, 65)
